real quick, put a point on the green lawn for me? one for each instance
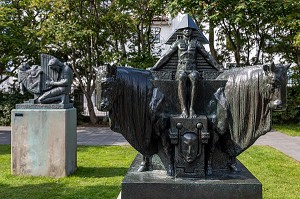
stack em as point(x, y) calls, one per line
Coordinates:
point(99, 175)
point(278, 173)
point(289, 129)
point(101, 170)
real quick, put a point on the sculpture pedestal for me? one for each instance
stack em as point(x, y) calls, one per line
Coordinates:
point(156, 184)
point(43, 142)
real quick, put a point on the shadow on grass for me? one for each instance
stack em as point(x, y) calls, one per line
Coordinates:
point(58, 190)
point(5, 149)
point(100, 172)
point(85, 148)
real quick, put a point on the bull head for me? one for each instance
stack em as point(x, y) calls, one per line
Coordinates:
point(105, 83)
point(277, 78)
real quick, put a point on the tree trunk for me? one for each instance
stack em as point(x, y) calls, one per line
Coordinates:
point(298, 58)
point(86, 90)
point(123, 47)
point(90, 105)
point(259, 50)
point(212, 41)
point(237, 57)
point(138, 38)
point(4, 78)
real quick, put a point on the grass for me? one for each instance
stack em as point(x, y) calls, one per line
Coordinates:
point(101, 170)
point(278, 173)
point(99, 175)
point(289, 129)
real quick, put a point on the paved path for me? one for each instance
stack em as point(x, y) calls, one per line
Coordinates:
point(91, 136)
point(104, 136)
point(99, 136)
point(282, 142)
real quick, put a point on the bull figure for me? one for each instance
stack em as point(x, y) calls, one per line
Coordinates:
point(133, 104)
point(238, 112)
point(241, 111)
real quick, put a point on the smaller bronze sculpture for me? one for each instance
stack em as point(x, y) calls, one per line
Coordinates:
point(50, 83)
point(61, 87)
point(29, 77)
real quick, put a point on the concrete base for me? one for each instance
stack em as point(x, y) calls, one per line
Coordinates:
point(44, 142)
point(156, 184)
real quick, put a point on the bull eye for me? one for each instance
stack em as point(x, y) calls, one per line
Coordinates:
point(105, 84)
point(277, 81)
point(273, 89)
point(106, 91)
point(278, 86)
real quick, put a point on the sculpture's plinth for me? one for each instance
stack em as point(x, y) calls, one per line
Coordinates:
point(156, 184)
point(44, 142)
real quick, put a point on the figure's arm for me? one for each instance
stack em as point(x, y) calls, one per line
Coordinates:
point(201, 49)
point(63, 82)
point(165, 57)
point(21, 88)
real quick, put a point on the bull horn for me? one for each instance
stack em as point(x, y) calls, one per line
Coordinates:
point(272, 67)
point(266, 68)
point(287, 66)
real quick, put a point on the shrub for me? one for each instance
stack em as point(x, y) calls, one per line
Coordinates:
point(292, 113)
point(8, 100)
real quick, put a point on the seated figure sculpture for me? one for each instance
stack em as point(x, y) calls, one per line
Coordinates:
point(187, 48)
point(50, 83)
point(60, 87)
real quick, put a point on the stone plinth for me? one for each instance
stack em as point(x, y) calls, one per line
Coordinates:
point(44, 142)
point(156, 184)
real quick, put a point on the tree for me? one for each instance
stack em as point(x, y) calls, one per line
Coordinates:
point(201, 11)
point(88, 34)
point(85, 34)
point(18, 43)
point(76, 32)
point(286, 40)
point(141, 14)
point(244, 26)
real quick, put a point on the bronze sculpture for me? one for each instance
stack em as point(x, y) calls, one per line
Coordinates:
point(143, 107)
point(187, 75)
point(44, 138)
point(126, 91)
point(60, 87)
point(50, 83)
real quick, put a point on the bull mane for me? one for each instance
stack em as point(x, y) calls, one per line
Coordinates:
point(130, 113)
point(246, 88)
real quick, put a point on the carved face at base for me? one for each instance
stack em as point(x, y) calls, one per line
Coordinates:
point(189, 146)
point(105, 90)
